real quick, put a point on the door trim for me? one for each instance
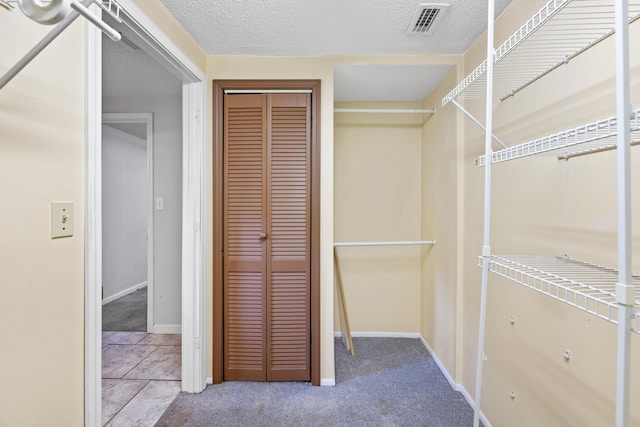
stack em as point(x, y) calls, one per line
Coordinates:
point(146, 119)
point(219, 87)
point(194, 251)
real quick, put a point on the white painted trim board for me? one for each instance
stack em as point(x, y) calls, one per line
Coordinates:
point(167, 329)
point(93, 225)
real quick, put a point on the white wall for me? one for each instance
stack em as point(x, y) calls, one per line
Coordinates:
point(124, 212)
point(167, 183)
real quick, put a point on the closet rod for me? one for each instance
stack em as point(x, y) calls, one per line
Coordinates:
point(397, 243)
point(595, 150)
point(79, 8)
point(383, 110)
point(242, 91)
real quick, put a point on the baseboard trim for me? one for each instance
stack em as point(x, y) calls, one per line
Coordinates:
point(338, 334)
point(209, 380)
point(446, 374)
point(472, 403)
point(167, 329)
point(124, 292)
point(457, 387)
point(327, 382)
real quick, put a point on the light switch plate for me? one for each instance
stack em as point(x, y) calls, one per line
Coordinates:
point(61, 219)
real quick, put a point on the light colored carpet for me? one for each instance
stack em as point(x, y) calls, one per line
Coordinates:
point(389, 382)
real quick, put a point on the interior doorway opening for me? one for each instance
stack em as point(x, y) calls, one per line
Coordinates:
point(191, 142)
point(127, 222)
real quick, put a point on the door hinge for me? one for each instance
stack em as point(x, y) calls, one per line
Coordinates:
point(196, 230)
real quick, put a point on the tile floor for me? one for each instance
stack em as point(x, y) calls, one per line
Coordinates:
point(140, 376)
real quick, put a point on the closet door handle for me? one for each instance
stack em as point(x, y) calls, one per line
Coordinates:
point(263, 235)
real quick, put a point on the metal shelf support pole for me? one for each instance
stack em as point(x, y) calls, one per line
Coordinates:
point(486, 247)
point(624, 288)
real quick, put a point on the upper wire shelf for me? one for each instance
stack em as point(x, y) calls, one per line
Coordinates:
point(586, 286)
point(559, 31)
point(593, 137)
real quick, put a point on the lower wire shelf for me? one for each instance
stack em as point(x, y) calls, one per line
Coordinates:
point(586, 286)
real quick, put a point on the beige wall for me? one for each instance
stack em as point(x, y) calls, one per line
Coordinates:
point(440, 288)
point(41, 280)
point(377, 185)
point(544, 206)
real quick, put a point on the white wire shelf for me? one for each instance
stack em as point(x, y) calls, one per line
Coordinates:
point(559, 31)
point(593, 137)
point(586, 286)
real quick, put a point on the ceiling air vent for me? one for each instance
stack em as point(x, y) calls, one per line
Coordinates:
point(426, 18)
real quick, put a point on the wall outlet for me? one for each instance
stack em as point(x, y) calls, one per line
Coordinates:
point(61, 219)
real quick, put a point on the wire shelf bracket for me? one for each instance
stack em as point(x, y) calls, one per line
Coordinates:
point(477, 122)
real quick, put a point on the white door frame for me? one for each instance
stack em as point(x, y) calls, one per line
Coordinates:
point(193, 248)
point(147, 120)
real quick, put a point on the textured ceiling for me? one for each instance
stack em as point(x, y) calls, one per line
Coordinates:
point(326, 27)
point(337, 28)
point(310, 28)
point(376, 82)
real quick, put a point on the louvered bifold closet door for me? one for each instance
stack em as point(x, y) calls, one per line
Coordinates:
point(288, 222)
point(267, 237)
point(245, 251)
